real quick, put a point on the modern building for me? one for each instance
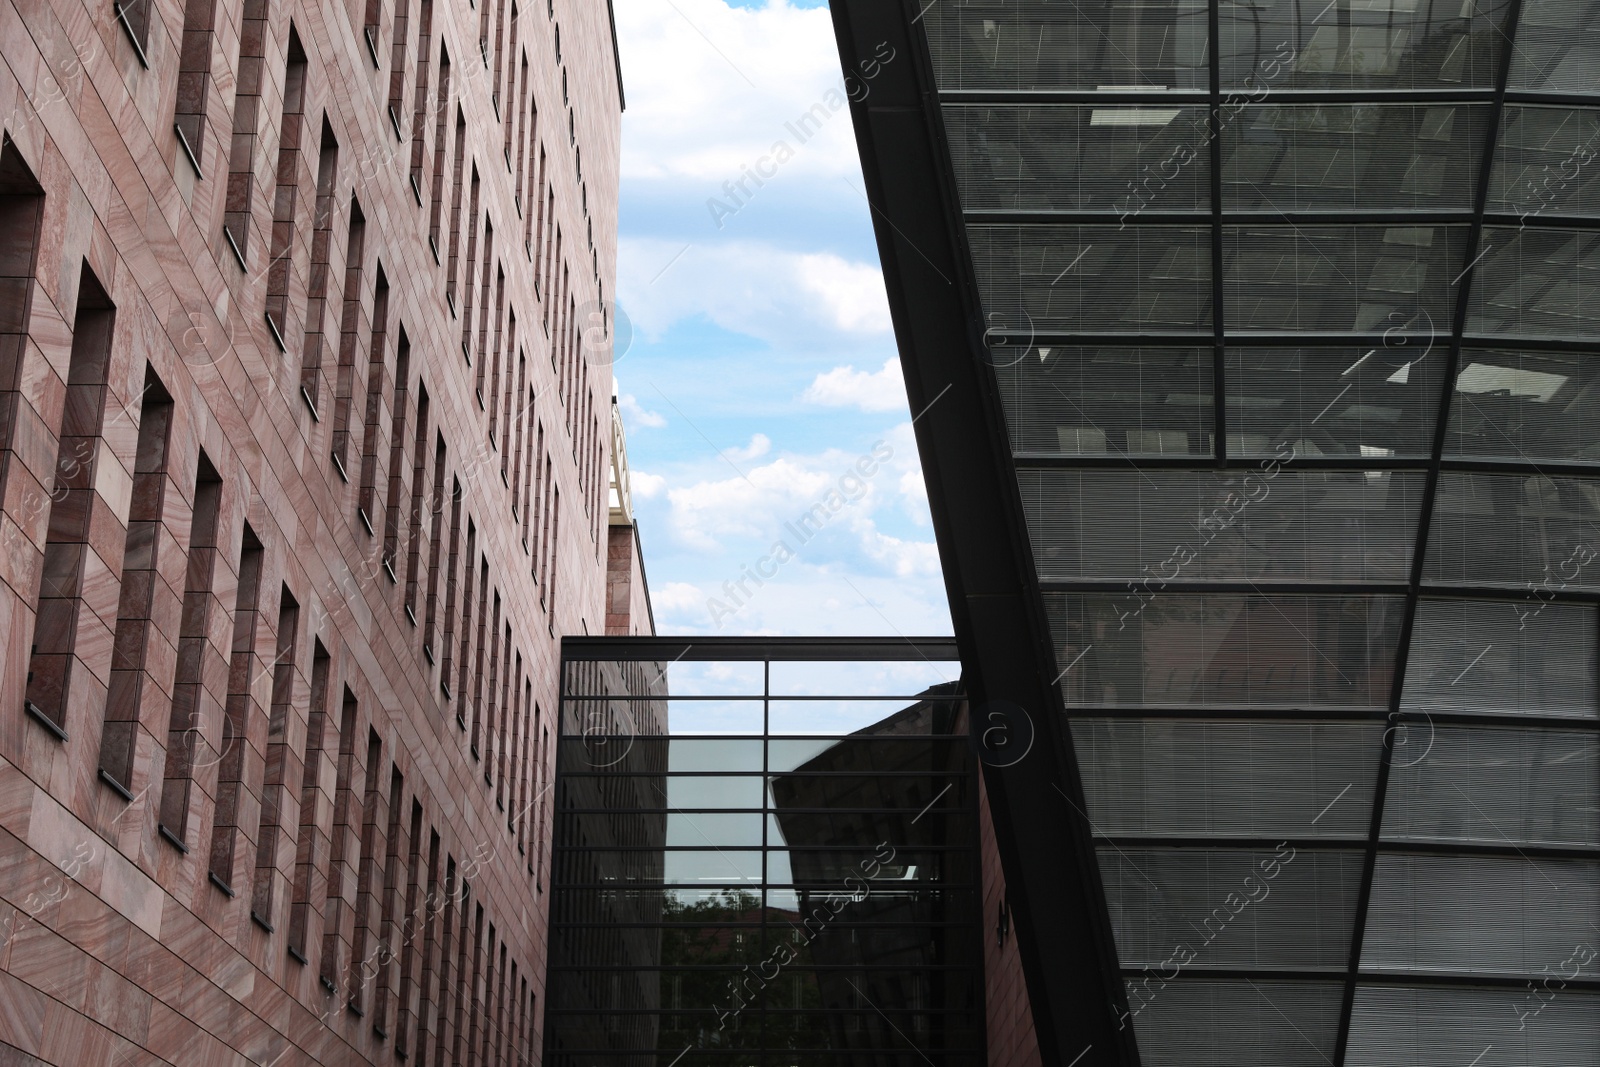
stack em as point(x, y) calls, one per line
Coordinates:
point(306, 445)
point(1255, 354)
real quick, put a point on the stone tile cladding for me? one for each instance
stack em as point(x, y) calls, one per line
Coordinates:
point(1012, 1040)
point(275, 791)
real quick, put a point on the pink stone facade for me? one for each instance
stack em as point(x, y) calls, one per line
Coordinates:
point(302, 478)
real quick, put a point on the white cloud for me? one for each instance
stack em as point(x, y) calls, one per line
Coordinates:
point(712, 88)
point(785, 298)
point(644, 485)
point(675, 597)
point(760, 444)
point(906, 558)
point(635, 414)
point(882, 390)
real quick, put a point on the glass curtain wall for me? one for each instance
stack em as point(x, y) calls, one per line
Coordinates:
point(779, 872)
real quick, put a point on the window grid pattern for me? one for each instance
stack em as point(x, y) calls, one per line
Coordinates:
point(1306, 294)
point(826, 841)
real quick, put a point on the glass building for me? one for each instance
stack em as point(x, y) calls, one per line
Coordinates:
point(765, 856)
point(1255, 354)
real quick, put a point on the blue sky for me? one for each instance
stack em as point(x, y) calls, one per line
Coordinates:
point(760, 384)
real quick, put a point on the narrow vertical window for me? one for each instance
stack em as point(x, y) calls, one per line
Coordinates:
point(542, 553)
point(397, 64)
point(370, 28)
point(475, 989)
point(492, 399)
point(194, 78)
point(134, 15)
point(21, 213)
point(453, 263)
point(477, 661)
point(519, 192)
point(543, 806)
point(452, 568)
point(521, 425)
point(419, 114)
point(505, 710)
point(519, 811)
point(410, 934)
point(435, 544)
point(397, 456)
point(336, 911)
point(530, 486)
point(500, 1042)
point(377, 364)
point(440, 1013)
point(483, 307)
point(134, 690)
point(419, 473)
point(238, 714)
point(463, 990)
point(536, 782)
point(280, 767)
point(504, 395)
point(535, 204)
point(554, 568)
point(429, 995)
point(511, 86)
point(490, 738)
point(368, 875)
point(287, 185)
point(514, 1035)
point(471, 268)
point(57, 674)
point(389, 903)
point(317, 283)
point(467, 574)
point(309, 842)
point(350, 330)
point(441, 108)
point(246, 121)
point(499, 49)
point(508, 755)
point(188, 691)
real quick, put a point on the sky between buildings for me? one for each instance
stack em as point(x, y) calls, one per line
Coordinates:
point(775, 475)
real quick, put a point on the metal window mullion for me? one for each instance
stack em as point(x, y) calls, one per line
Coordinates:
point(1424, 523)
point(1219, 401)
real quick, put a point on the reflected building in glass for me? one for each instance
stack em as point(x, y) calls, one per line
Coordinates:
point(1254, 350)
point(787, 876)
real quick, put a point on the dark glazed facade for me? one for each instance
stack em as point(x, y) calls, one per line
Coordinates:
point(306, 443)
point(1267, 486)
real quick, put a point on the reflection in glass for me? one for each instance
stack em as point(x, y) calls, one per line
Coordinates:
point(1222, 1022)
point(1098, 401)
point(1558, 47)
point(1367, 279)
point(1181, 778)
point(1533, 532)
point(1224, 650)
point(1376, 156)
point(1509, 657)
point(1520, 787)
point(1275, 524)
point(1125, 159)
point(1527, 405)
point(1544, 162)
point(1377, 400)
point(1536, 282)
point(1054, 277)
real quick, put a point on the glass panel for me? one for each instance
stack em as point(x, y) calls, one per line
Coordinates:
point(840, 791)
point(1273, 908)
point(661, 792)
point(1478, 914)
point(1543, 162)
point(1101, 278)
point(1523, 787)
point(1224, 650)
point(1374, 401)
point(910, 678)
point(866, 755)
point(1094, 401)
point(1368, 279)
point(1225, 1023)
point(1124, 159)
point(1558, 47)
point(596, 720)
point(1503, 658)
point(1180, 778)
point(1275, 524)
point(1036, 44)
point(873, 717)
point(1450, 1026)
point(1355, 44)
point(703, 829)
point(723, 755)
point(1388, 157)
point(1526, 405)
point(691, 678)
point(1536, 533)
point(911, 828)
point(865, 871)
point(620, 678)
point(655, 755)
point(1536, 282)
